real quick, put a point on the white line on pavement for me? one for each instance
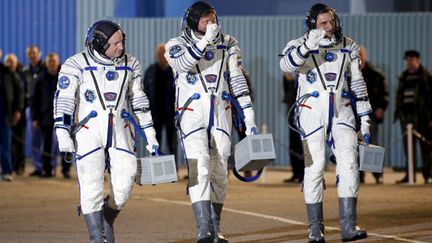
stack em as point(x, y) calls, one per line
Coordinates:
point(284, 220)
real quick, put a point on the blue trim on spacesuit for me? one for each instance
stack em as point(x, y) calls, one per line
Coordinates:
point(91, 68)
point(127, 115)
point(79, 157)
point(192, 53)
point(124, 150)
point(314, 131)
point(220, 129)
point(193, 131)
point(197, 49)
point(246, 106)
point(331, 113)
point(364, 113)
point(110, 131)
point(343, 50)
point(301, 54)
point(211, 119)
point(292, 60)
point(345, 124)
point(123, 68)
point(232, 54)
point(147, 126)
point(118, 68)
point(67, 128)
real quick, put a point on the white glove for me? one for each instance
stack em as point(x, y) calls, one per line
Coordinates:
point(152, 143)
point(249, 120)
point(211, 32)
point(364, 128)
point(314, 37)
point(65, 141)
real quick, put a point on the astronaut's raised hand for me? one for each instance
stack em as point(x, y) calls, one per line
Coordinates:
point(152, 143)
point(314, 37)
point(212, 31)
point(364, 128)
point(65, 141)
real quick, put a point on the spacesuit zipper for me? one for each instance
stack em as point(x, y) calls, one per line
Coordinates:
point(330, 118)
point(211, 119)
point(109, 140)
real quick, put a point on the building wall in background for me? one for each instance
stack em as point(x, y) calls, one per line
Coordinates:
point(49, 24)
point(89, 12)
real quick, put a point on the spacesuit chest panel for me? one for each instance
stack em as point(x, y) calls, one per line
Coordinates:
point(103, 84)
point(209, 71)
point(327, 67)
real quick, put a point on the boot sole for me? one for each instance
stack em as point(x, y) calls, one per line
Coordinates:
point(358, 237)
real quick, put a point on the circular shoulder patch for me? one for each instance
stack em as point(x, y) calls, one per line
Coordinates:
point(174, 50)
point(63, 82)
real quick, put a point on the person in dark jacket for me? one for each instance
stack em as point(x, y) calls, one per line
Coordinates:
point(42, 112)
point(10, 106)
point(378, 98)
point(18, 130)
point(32, 73)
point(159, 87)
point(295, 143)
point(413, 105)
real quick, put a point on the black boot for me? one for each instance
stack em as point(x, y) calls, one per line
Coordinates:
point(110, 214)
point(348, 218)
point(95, 228)
point(202, 211)
point(316, 226)
point(216, 216)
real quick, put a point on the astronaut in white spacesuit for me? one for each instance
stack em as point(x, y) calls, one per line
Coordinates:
point(207, 66)
point(327, 65)
point(102, 81)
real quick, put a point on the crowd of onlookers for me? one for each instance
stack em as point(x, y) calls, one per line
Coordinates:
point(27, 107)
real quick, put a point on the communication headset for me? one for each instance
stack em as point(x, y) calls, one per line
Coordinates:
point(312, 15)
point(96, 39)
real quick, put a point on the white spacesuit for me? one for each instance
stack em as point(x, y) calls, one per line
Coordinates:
point(328, 73)
point(207, 64)
point(92, 81)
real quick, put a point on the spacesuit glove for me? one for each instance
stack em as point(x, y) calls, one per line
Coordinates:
point(249, 120)
point(314, 37)
point(65, 141)
point(364, 128)
point(251, 129)
point(152, 143)
point(209, 36)
point(211, 32)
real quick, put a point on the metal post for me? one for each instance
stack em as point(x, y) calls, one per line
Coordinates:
point(264, 130)
point(411, 152)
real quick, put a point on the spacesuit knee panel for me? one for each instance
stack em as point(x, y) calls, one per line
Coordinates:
point(314, 152)
point(192, 172)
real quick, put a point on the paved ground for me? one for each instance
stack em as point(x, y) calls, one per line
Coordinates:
point(44, 210)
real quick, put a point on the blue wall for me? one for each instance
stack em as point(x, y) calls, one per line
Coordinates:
point(49, 24)
point(175, 8)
